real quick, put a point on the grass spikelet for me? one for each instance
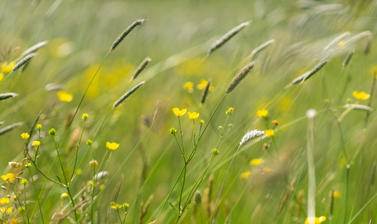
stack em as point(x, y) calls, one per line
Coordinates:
point(125, 33)
point(25, 60)
point(307, 75)
point(34, 48)
point(251, 135)
point(260, 48)
point(336, 40)
point(10, 127)
point(239, 77)
point(4, 96)
point(367, 35)
point(226, 37)
point(358, 107)
point(141, 67)
point(347, 59)
point(205, 93)
point(127, 94)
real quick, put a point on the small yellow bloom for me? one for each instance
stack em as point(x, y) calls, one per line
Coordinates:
point(193, 115)
point(202, 84)
point(316, 220)
point(89, 142)
point(24, 181)
point(78, 171)
point(84, 116)
point(263, 113)
point(256, 162)
point(64, 195)
point(269, 132)
point(9, 177)
point(267, 170)
point(179, 113)
point(361, 95)
point(341, 43)
point(25, 135)
point(1, 76)
point(4, 201)
point(112, 146)
point(245, 175)
point(6, 210)
point(229, 111)
point(7, 67)
point(65, 96)
point(189, 87)
point(36, 143)
point(337, 194)
point(93, 163)
point(38, 126)
point(201, 122)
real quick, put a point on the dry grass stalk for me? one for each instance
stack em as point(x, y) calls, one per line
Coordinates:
point(205, 93)
point(144, 209)
point(207, 197)
point(34, 48)
point(10, 127)
point(226, 37)
point(127, 94)
point(307, 75)
point(125, 33)
point(24, 61)
point(347, 59)
point(4, 96)
point(239, 77)
point(141, 67)
point(260, 48)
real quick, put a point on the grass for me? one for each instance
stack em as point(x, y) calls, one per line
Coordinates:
point(70, 156)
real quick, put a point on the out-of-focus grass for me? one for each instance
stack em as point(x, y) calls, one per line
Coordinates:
point(176, 35)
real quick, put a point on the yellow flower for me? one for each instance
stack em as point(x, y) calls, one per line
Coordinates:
point(256, 162)
point(201, 122)
point(267, 170)
point(78, 171)
point(6, 210)
point(25, 135)
point(263, 113)
point(1, 76)
point(193, 115)
point(36, 143)
point(245, 175)
point(202, 85)
point(316, 220)
point(269, 132)
point(64, 96)
point(361, 95)
point(38, 126)
point(336, 194)
point(189, 87)
point(84, 116)
point(115, 206)
point(24, 181)
point(229, 111)
point(179, 113)
point(9, 177)
point(7, 67)
point(4, 201)
point(341, 43)
point(93, 163)
point(112, 146)
point(64, 196)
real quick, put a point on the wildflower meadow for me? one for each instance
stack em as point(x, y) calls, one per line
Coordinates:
point(189, 111)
